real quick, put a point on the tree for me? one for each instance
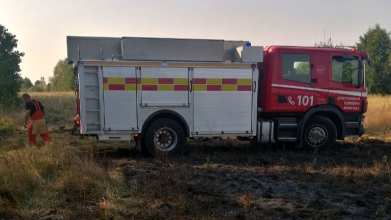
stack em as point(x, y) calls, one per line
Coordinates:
point(25, 84)
point(39, 85)
point(48, 87)
point(377, 42)
point(63, 78)
point(9, 67)
point(328, 44)
point(302, 68)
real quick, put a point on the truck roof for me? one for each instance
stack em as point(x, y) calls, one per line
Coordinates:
point(313, 49)
point(152, 49)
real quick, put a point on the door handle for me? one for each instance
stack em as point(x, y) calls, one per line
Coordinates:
point(314, 80)
point(191, 85)
point(255, 86)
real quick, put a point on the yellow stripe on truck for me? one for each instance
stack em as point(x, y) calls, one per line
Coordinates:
point(180, 81)
point(213, 81)
point(132, 87)
point(116, 80)
point(199, 87)
point(229, 88)
point(166, 88)
point(149, 81)
point(244, 81)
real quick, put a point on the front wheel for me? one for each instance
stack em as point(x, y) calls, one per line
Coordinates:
point(320, 133)
point(164, 136)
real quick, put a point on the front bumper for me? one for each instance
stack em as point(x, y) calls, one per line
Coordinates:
point(355, 127)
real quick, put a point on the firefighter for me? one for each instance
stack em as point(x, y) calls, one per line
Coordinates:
point(37, 126)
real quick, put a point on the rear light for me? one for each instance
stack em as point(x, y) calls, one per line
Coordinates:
point(78, 106)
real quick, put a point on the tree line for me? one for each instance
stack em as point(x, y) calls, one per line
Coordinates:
point(63, 79)
point(376, 41)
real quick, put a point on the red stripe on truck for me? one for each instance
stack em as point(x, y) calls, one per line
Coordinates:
point(149, 87)
point(116, 87)
point(230, 81)
point(181, 87)
point(165, 80)
point(213, 88)
point(132, 80)
point(244, 87)
point(199, 81)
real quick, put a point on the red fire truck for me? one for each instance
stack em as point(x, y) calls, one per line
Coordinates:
point(162, 91)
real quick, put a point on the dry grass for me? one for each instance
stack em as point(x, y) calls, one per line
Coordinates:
point(62, 179)
point(55, 180)
point(214, 179)
point(60, 107)
point(378, 117)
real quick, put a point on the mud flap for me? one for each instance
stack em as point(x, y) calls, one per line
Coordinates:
point(137, 140)
point(299, 144)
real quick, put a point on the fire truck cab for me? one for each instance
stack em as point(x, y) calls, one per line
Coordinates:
point(161, 91)
point(313, 95)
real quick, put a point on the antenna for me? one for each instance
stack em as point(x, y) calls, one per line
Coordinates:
point(330, 31)
point(324, 35)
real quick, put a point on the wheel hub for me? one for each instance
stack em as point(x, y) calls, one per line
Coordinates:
point(165, 139)
point(317, 135)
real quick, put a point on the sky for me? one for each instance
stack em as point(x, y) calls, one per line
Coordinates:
point(41, 26)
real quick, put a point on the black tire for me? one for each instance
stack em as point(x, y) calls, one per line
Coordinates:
point(320, 133)
point(169, 130)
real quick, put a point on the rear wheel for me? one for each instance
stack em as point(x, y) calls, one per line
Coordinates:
point(320, 133)
point(164, 136)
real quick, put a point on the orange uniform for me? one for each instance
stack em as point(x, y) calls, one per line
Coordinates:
point(37, 123)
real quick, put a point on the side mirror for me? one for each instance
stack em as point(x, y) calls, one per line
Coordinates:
point(360, 73)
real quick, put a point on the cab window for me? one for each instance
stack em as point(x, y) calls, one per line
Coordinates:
point(296, 67)
point(345, 71)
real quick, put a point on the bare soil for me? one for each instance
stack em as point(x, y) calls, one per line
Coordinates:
point(229, 179)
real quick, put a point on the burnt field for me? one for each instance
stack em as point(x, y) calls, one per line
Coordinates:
point(226, 179)
point(212, 179)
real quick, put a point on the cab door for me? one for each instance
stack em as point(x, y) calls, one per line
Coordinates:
point(321, 78)
point(343, 86)
point(295, 89)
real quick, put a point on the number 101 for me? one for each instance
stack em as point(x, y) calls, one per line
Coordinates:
point(305, 100)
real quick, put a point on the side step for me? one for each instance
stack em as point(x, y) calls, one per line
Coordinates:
point(287, 129)
point(114, 137)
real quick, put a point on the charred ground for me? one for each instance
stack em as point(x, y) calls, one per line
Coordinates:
point(213, 179)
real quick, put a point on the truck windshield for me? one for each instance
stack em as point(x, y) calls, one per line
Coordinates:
point(345, 71)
